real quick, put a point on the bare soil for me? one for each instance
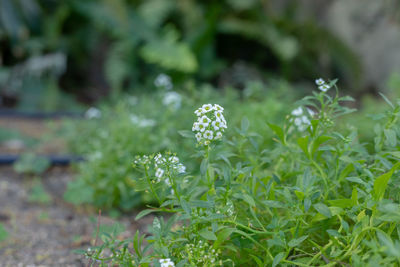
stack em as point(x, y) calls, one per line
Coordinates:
point(47, 233)
point(39, 130)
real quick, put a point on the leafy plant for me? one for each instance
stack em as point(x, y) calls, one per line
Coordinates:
point(38, 194)
point(3, 233)
point(317, 197)
point(29, 163)
point(147, 124)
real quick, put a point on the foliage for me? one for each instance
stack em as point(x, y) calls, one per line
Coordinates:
point(38, 194)
point(29, 163)
point(146, 124)
point(129, 40)
point(315, 198)
point(3, 233)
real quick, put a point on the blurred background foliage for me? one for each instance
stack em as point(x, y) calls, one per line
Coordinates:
point(96, 48)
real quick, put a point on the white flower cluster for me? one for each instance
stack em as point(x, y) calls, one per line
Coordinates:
point(92, 113)
point(170, 163)
point(142, 122)
point(163, 80)
point(172, 99)
point(143, 160)
point(322, 85)
point(301, 118)
point(210, 123)
point(166, 262)
point(202, 254)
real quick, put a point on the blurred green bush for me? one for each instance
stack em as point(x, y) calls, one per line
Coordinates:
point(124, 44)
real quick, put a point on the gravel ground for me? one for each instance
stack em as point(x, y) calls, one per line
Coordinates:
point(44, 231)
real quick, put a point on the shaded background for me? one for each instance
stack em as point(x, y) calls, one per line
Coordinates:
point(55, 55)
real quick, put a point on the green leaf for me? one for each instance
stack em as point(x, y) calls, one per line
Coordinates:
point(207, 234)
point(278, 258)
point(303, 144)
point(386, 100)
point(354, 196)
point(388, 244)
point(391, 138)
point(323, 209)
point(278, 131)
point(3, 233)
point(346, 171)
point(222, 236)
point(318, 142)
point(381, 182)
point(136, 243)
point(169, 53)
point(144, 213)
point(299, 194)
point(245, 124)
point(203, 166)
point(342, 203)
point(249, 200)
point(297, 241)
point(186, 133)
point(257, 260)
point(273, 204)
point(185, 206)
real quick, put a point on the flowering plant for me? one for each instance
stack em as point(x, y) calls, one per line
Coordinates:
point(210, 123)
point(316, 198)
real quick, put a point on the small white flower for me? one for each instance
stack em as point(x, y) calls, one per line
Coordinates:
point(297, 112)
point(172, 99)
point(216, 124)
point(163, 80)
point(223, 124)
point(181, 168)
point(297, 121)
point(207, 108)
point(208, 135)
point(142, 123)
point(205, 120)
point(167, 181)
point(218, 135)
point(319, 81)
point(198, 112)
point(157, 158)
point(218, 114)
point(174, 159)
point(202, 127)
point(93, 113)
point(311, 112)
point(305, 120)
point(218, 107)
point(159, 173)
point(195, 126)
point(198, 136)
point(324, 87)
point(166, 263)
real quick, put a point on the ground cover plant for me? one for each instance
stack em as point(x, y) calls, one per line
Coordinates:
point(156, 122)
point(316, 197)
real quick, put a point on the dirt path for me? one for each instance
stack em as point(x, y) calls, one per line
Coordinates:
point(43, 230)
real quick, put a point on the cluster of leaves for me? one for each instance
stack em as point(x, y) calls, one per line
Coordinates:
point(129, 40)
point(110, 144)
point(315, 198)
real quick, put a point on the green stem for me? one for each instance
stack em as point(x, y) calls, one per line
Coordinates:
point(321, 250)
point(151, 186)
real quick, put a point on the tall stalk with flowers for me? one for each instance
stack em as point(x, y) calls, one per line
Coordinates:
point(209, 127)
